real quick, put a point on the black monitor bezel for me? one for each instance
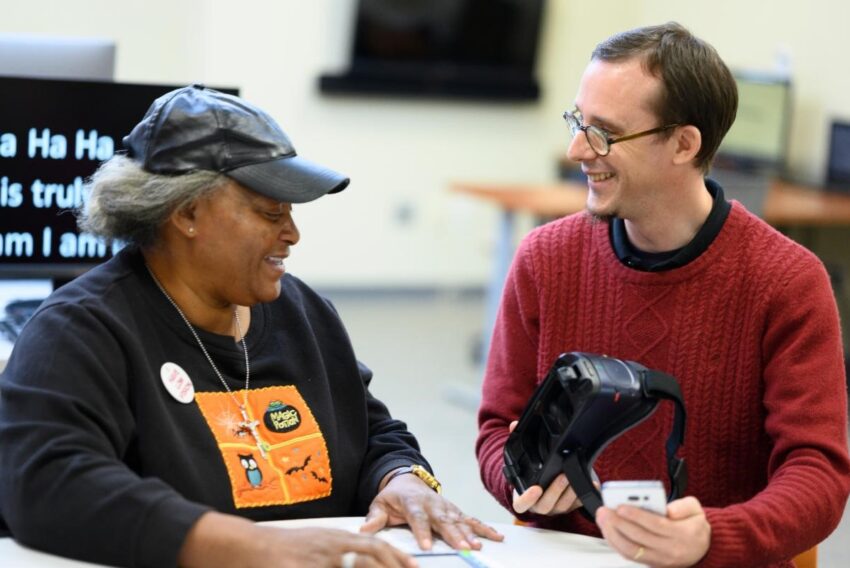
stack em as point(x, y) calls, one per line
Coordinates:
point(835, 176)
point(118, 95)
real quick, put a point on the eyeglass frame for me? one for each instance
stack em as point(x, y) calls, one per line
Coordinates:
point(570, 116)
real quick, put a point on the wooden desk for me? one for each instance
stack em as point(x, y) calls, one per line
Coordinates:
point(785, 204)
point(790, 204)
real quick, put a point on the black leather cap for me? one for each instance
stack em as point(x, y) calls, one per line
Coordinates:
point(195, 128)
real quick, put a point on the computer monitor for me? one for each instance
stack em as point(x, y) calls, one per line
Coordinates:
point(45, 57)
point(53, 135)
point(57, 57)
point(758, 138)
point(467, 49)
point(838, 164)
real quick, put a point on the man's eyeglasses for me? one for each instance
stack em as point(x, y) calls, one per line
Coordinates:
point(599, 140)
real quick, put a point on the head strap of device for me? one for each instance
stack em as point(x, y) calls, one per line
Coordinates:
point(577, 464)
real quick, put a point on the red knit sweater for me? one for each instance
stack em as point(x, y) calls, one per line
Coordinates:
point(750, 330)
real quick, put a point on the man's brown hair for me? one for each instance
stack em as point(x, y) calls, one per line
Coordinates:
point(697, 87)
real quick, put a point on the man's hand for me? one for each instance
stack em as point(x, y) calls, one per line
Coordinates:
point(680, 539)
point(556, 499)
point(407, 500)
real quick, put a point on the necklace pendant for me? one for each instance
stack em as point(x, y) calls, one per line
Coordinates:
point(250, 427)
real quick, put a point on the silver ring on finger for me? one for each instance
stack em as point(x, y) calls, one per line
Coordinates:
point(349, 559)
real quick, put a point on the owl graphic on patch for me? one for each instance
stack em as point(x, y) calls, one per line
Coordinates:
point(252, 470)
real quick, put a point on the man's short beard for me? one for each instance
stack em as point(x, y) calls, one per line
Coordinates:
point(601, 217)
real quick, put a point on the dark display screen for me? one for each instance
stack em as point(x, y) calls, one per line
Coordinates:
point(497, 33)
point(838, 168)
point(53, 135)
point(471, 49)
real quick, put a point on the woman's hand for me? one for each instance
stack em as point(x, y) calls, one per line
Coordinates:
point(225, 540)
point(332, 548)
point(407, 500)
point(681, 538)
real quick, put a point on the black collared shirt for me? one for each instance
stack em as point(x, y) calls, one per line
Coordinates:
point(635, 258)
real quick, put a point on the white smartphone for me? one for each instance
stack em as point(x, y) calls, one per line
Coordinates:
point(646, 494)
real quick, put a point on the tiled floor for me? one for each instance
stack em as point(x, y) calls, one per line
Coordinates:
point(420, 348)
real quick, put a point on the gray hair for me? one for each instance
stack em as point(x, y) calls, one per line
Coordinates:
point(126, 203)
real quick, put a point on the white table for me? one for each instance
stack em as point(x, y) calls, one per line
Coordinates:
point(523, 546)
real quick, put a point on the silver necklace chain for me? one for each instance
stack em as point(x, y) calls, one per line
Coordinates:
point(204, 349)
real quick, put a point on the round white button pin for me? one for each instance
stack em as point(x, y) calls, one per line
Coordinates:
point(177, 382)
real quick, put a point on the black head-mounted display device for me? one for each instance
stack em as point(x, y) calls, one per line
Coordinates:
point(584, 403)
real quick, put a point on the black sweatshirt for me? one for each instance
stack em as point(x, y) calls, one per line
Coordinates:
point(98, 461)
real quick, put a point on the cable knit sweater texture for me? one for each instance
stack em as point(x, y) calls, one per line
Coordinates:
point(749, 328)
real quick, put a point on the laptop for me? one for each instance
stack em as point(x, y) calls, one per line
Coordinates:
point(838, 164)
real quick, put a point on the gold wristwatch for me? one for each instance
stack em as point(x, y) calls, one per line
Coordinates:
point(419, 472)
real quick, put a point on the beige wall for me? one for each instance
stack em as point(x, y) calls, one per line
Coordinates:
point(402, 154)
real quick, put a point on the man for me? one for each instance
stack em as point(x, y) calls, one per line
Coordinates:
point(664, 271)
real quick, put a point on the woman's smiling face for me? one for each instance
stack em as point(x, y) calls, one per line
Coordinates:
point(242, 239)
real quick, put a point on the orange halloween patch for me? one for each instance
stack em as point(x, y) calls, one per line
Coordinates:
point(279, 456)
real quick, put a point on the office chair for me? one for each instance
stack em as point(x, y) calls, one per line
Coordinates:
point(807, 559)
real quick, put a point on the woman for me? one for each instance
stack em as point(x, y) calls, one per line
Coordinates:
point(156, 402)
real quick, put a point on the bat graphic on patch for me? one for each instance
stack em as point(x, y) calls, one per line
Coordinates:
point(319, 478)
point(298, 468)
